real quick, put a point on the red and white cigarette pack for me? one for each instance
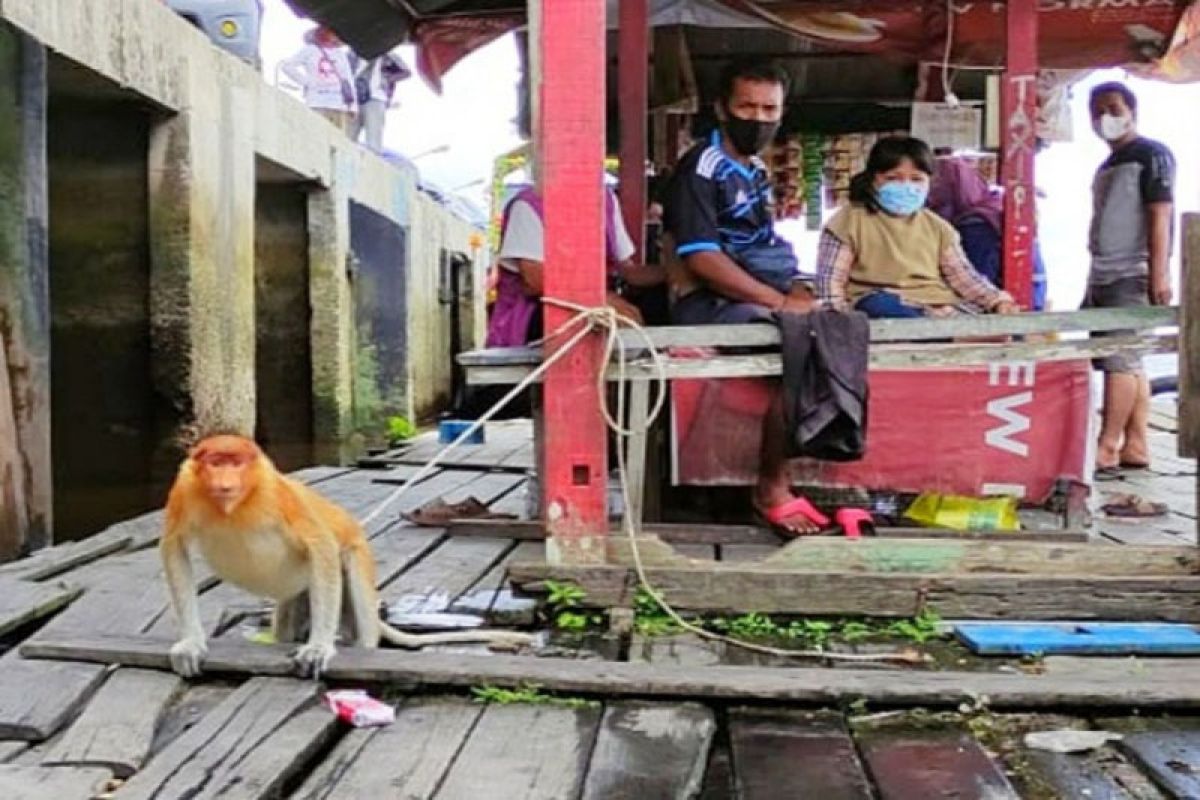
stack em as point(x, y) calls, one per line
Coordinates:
point(356, 707)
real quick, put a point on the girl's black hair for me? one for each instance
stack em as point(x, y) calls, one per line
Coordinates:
point(885, 155)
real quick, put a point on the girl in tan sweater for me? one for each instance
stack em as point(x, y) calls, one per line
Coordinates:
point(887, 255)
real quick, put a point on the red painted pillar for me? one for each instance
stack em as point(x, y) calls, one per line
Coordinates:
point(1018, 105)
point(571, 143)
point(633, 76)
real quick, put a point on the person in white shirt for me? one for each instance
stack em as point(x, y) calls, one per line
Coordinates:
point(516, 315)
point(375, 83)
point(322, 70)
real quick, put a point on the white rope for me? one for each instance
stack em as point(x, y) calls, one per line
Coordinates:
point(950, 98)
point(610, 321)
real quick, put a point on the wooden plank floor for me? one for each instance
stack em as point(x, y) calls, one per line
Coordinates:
point(1170, 480)
point(68, 729)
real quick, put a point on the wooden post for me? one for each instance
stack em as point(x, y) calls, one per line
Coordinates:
point(1188, 441)
point(571, 143)
point(1018, 103)
point(24, 281)
point(633, 77)
point(14, 520)
point(635, 450)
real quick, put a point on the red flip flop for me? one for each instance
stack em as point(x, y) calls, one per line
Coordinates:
point(776, 515)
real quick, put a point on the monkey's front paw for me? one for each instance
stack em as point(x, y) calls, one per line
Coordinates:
point(313, 658)
point(187, 655)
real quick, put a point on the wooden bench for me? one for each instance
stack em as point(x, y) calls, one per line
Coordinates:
point(1058, 336)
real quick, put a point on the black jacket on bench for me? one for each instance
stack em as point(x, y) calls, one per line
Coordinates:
point(825, 356)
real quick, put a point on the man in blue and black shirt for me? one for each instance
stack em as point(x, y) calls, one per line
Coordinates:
point(719, 210)
point(735, 269)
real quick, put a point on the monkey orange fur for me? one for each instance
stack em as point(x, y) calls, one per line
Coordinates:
point(278, 539)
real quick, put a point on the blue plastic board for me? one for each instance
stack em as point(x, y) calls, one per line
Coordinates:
point(1096, 638)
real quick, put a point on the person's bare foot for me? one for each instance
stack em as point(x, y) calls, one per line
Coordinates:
point(793, 524)
point(1135, 454)
point(1108, 455)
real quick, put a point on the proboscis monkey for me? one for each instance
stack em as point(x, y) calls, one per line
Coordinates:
point(279, 539)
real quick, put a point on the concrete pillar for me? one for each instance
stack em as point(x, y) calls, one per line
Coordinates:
point(332, 325)
point(24, 288)
point(202, 183)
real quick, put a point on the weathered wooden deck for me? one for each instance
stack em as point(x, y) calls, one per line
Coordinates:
point(77, 729)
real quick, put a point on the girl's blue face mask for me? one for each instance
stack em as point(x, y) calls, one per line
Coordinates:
point(902, 197)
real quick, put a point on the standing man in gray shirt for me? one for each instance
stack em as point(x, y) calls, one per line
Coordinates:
point(1130, 244)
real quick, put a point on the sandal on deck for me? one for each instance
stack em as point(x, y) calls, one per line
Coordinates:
point(1133, 506)
point(438, 513)
point(1112, 473)
point(855, 522)
point(1135, 466)
point(798, 506)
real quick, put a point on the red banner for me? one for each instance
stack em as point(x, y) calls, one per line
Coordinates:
point(1010, 428)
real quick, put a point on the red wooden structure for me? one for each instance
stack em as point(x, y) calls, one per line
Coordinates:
point(633, 65)
point(571, 139)
point(1019, 137)
point(571, 172)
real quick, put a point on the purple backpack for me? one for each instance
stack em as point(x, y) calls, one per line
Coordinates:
point(512, 313)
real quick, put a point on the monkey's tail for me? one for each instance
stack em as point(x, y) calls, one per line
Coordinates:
point(509, 640)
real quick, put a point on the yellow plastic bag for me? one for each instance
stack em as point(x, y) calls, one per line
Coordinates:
point(964, 513)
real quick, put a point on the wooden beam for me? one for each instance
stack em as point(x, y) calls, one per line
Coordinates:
point(941, 557)
point(24, 277)
point(1019, 115)
point(571, 143)
point(1188, 437)
point(633, 78)
point(886, 687)
point(1093, 320)
point(682, 533)
point(745, 589)
point(520, 363)
point(14, 519)
point(1189, 340)
point(689, 533)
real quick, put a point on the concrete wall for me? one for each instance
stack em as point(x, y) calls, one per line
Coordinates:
point(215, 120)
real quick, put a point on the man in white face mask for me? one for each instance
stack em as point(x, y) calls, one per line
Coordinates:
point(1130, 244)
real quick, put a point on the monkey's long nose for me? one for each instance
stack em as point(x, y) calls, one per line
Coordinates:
point(225, 496)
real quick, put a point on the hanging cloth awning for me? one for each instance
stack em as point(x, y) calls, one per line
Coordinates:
point(1152, 37)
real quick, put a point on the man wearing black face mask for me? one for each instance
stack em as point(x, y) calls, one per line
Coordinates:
point(718, 208)
point(735, 269)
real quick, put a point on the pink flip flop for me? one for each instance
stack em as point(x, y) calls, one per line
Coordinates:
point(776, 515)
point(855, 522)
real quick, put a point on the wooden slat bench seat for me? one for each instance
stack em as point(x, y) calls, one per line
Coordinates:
point(903, 343)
